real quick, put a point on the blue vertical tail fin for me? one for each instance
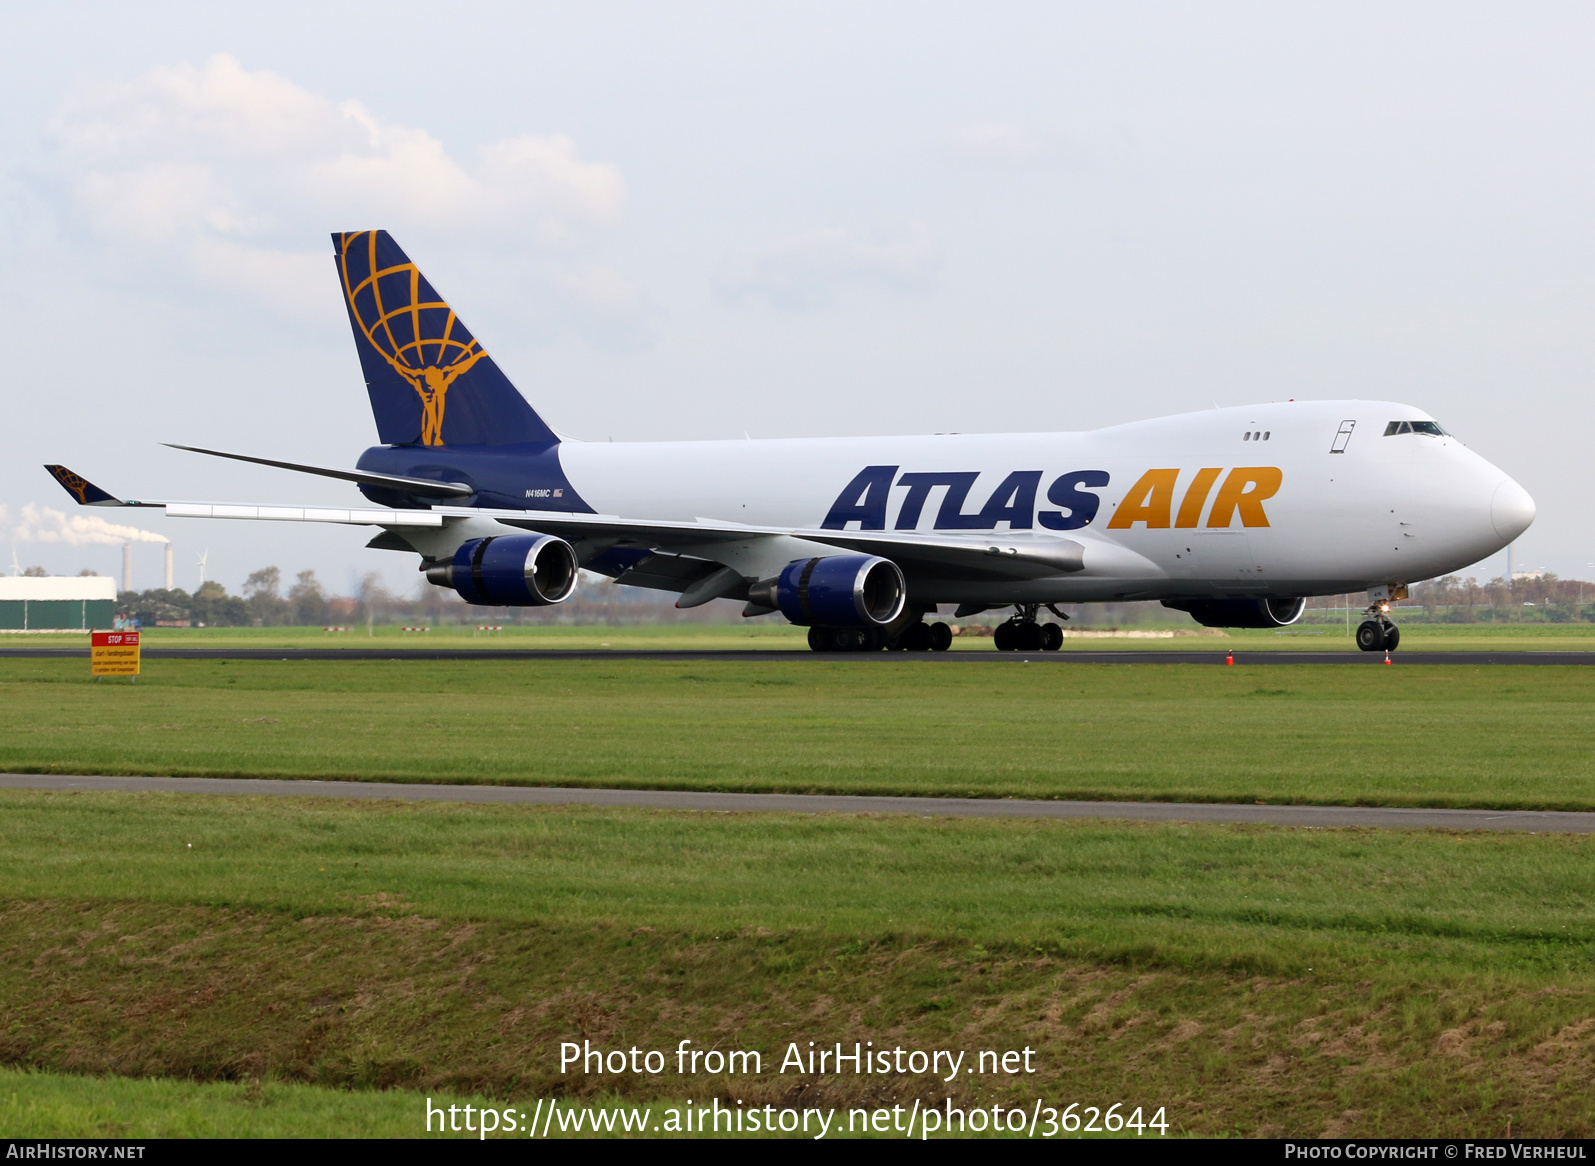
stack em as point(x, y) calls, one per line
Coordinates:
point(431, 383)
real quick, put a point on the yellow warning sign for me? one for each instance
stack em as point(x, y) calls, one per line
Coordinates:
point(114, 653)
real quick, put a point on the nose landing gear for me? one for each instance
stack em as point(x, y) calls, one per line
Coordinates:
point(1377, 633)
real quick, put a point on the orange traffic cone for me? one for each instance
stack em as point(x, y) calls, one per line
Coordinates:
point(1387, 657)
point(1229, 657)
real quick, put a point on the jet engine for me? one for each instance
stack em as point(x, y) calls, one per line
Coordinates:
point(518, 570)
point(1241, 613)
point(835, 591)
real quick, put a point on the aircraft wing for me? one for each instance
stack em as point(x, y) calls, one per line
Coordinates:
point(1000, 555)
point(997, 555)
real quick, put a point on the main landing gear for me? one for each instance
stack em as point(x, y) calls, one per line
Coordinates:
point(916, 637)
point(1022, 633)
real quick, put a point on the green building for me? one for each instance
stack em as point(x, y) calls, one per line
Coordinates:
point(57, 603)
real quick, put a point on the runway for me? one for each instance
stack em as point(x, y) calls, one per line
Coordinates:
point(1068, 656)
point(1317, 817)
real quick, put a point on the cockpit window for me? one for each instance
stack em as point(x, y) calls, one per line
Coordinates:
point(1427, 428)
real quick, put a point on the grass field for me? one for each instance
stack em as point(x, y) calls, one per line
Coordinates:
point(1331, 637)
point(177, 964)
point(1431, 735)
point(71, 1105)
point(1253, 981)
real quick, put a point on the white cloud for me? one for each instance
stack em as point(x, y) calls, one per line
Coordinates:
point(607, 306)
point(237, 174)
point(288, 283)
point(810, 270)
point(598, 286)
point(999, 143)
point(547, 173)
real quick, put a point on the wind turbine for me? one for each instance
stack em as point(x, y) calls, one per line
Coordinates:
point(202, 559)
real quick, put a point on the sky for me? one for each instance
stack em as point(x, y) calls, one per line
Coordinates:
point(706, 220)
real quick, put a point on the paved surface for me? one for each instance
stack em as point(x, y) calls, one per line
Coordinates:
point(1545, 822)
point(1070, 656)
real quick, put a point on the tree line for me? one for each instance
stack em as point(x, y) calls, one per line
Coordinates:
point(263, 603)
point(305, 603)
point(1452, 599)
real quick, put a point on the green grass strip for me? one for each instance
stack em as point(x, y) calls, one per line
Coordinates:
point(1254, 980)
point(1431, 736)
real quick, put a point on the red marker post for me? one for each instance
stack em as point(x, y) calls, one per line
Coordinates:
point(114, 654)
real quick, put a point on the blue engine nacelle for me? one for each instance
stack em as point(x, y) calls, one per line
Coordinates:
point(517, 570)
point(836, 591)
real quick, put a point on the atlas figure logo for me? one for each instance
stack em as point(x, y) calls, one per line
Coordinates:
point(408, 324)
point(76, 483)
point(1150, 501)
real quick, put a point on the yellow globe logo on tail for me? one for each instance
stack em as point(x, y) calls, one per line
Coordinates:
point(415, 332)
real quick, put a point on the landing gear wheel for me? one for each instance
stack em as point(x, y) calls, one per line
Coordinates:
point(1003, 638)
point(1051, 637)
point(915, 638)
point(1392, 637)
point(1371, 636)
point(1028, 637)
point(822, 640)
point(849, 639)
point(941, 637)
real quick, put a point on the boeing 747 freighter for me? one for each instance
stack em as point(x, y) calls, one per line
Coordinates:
point(1233, 515)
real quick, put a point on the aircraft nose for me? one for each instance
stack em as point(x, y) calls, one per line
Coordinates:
point(1511, 510)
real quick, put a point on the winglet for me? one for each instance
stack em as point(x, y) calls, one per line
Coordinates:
point(85, 491)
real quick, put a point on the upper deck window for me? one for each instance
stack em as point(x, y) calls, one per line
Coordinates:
point(1428, 428)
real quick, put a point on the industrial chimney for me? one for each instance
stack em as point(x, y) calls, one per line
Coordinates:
point(168, 566)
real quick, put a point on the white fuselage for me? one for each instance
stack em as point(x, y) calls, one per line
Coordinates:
point(1379, 510)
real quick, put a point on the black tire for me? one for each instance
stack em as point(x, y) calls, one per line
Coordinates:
point(874, 639)
point(1392, 638)
point(822, 640)
point(1051, 637)
point(1371, 636)
point(941, 637)
point(1028, 637)
point(850, 639)
point(916, 638)
point(1003, 638)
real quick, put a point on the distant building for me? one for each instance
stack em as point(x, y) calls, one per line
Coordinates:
point(57, 603)
point(1520, 576)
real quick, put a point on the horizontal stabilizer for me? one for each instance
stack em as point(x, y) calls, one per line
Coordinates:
point(85, 491)
point(422, 487)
